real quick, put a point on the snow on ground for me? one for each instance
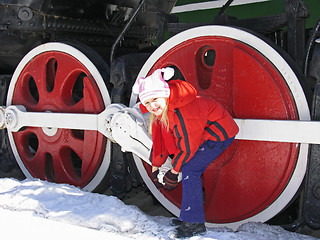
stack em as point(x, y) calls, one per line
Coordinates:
point(42, 210)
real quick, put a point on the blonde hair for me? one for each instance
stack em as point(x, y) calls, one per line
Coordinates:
point(163, 119)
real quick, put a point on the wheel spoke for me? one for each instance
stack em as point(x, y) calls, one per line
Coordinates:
point(92, 99)
point(67, 71)
point(32, 152)
point(37, 165)
point(73, 142)
point(184, 61)
point(64, 171)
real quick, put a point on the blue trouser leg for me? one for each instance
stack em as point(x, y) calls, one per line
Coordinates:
point(192, 203)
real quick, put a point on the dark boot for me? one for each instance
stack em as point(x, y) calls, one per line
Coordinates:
point(175, 222)
point(187, 229)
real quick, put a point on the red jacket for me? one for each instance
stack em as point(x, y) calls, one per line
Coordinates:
point(192, 120)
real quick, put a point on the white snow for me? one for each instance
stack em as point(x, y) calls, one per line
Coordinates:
point(34, 209)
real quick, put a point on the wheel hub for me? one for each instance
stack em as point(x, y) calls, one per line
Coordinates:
point(49, 131)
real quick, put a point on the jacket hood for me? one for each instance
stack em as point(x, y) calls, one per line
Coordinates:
point(181, 93)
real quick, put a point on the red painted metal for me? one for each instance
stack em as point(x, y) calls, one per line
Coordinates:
point(49, 82)
point(249, 175)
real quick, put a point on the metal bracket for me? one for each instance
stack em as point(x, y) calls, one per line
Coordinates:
point(139, 8)
point(311, 201)
point(296, 12)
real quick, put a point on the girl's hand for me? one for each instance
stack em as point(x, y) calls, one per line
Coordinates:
point(155, 179)
point(154, 169)
point(170, 180)
point(174, 171)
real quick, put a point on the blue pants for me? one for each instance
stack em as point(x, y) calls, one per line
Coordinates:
point(192, 203)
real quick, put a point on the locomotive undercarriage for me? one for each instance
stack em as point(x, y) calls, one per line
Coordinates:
point(126, 52)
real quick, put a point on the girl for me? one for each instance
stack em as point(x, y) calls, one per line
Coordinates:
point(196, 130)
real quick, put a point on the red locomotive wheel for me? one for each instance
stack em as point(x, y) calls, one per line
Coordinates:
point(252, 180)
point(57, 77)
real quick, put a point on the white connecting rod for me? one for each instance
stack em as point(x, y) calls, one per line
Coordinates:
point(16, 117)
point(293, 131)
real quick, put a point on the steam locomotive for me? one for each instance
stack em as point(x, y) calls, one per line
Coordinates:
point(259, 58)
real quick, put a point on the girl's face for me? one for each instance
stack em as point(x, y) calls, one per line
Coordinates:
point(156, 105)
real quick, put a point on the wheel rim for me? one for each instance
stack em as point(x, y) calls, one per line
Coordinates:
point(233, 195)
point(57, 77)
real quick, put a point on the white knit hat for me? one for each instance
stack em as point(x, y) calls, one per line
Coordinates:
point(154, 86)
